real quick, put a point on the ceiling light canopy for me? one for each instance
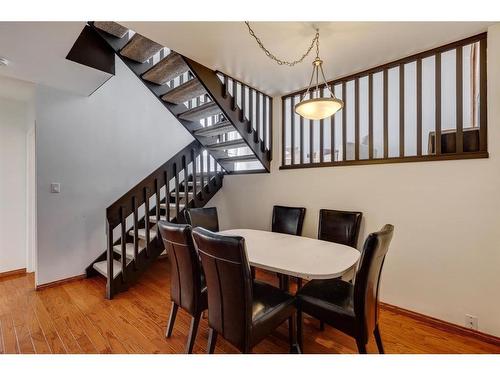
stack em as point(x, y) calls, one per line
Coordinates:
point(315, 106)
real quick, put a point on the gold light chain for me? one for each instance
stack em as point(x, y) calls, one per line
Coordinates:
point(284, 62)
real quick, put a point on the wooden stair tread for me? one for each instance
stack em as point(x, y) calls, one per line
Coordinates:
point(140, 48)
point(214, 130)
point(102, 267)
point(240, 158)
point(167, 69)
point(228, 145)
point(141, 233)
point(187, 91)
point(112, 28)
point(129, 248)
point(200, 112)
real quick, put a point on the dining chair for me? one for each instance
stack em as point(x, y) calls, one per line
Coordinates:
point(287, 220)
point(339, 226)
point(240, 309)
point(205, 217)
point(352, 309)
point(187, 283)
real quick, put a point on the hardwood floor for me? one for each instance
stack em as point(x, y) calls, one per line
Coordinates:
point(75, 318)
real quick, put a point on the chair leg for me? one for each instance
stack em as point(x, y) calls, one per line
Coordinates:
point(171, 320)
point(292, 333)
point(361, 346)
point(378, 339)
point(212, 340)
point(321, 325)
point(299, 329)
point(195, 320)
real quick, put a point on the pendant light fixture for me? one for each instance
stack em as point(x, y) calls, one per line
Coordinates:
point(312, 105)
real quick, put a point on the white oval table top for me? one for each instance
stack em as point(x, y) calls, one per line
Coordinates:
point(297, 256)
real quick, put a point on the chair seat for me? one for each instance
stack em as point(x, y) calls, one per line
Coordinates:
point(331, 301)
point(271, 306)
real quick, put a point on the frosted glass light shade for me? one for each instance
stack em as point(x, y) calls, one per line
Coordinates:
point(318, 108)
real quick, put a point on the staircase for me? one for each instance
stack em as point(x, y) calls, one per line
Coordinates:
point(189, 179)
point(230, 119)
point(231, 124)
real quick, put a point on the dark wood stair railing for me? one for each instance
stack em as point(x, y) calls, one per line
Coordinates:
point(200, 100)
point(189, 179)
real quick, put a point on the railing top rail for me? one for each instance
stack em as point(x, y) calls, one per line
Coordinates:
point(243, 83)
point(395, 63)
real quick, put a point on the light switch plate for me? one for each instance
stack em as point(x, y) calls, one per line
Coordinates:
point(55, 187)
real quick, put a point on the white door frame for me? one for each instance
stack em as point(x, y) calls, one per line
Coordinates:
point(31, 239)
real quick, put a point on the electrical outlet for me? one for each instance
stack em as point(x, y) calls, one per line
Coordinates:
point(471, 321)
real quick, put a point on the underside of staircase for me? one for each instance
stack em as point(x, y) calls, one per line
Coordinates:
point(229, 139)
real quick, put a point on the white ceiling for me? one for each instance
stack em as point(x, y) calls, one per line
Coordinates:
point(37, 53)
point(346, 47)
point(11, 88)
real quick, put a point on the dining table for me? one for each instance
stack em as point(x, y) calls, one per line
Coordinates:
point(297, 256)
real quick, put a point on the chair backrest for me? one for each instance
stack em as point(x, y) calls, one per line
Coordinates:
point(205, 217)
point(339, 226)
point(185, 275)
point(288, 220)
point(229, 283)
point(367, 280)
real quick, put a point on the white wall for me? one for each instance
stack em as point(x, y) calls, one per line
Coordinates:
point(15, 120)
point(97, 148)
point(445, 256)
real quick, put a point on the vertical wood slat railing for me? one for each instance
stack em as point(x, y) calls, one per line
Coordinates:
point(383, 116)
point(256, 108)
point(191, 166)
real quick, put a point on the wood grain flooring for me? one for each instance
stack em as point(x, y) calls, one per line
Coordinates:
point(75, 318)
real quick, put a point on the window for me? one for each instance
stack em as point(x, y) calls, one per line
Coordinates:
point(397, 112)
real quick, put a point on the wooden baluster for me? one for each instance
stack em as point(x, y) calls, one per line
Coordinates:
point(483, 115)
point(167, 197)
point(146, 218)
point(195, 196)
point(401, 110)
point(256, 136)
point(344, 123)
point(301, 144)
point(437, 138)
point(271, 140)
point(386, 114)
point(264, 124)
point(251, 108)
point(283, 133)
point(226, 86)
point(370, 116)
point(202, 171)
point(110, 258)
point(235, 95)
point(186, 181)
point(419, 107)
point(123, 225)
point(176, 190)
point(243, 101)
point(356, 118)
point(321, 133)
point(311, 140)
point(136, 231)
point(332, 133)
point(157, 208)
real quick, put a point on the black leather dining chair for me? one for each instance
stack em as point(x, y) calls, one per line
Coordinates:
point(187, 284)
point(287, 220)
point(339, 226)
point(240, 309)
point(205, 217)
point(352, 309)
